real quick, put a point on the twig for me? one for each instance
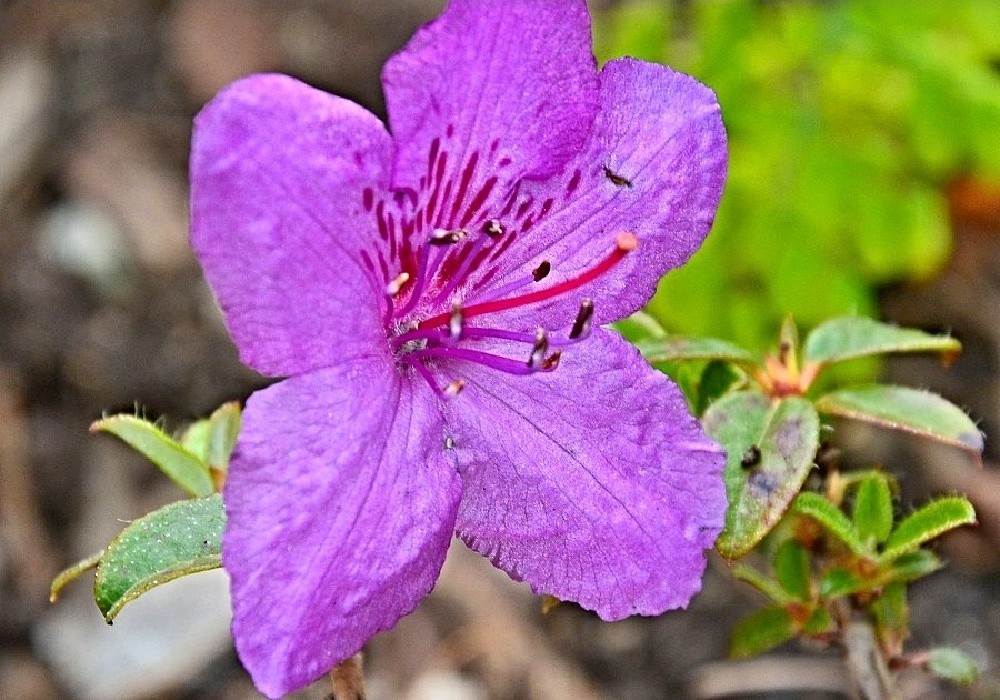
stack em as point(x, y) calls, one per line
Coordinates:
point(869, 676)
point(348, 681)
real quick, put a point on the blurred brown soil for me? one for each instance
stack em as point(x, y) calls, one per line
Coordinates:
point(103, 305)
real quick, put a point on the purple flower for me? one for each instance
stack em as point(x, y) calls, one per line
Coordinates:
point(434, 300)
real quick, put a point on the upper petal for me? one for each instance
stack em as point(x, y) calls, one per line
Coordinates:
point(592, 483)
point(654, 165)
point(278, 171)
point(513, 80)
point(341, 504)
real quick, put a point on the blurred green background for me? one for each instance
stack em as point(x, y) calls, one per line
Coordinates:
point(847, 122)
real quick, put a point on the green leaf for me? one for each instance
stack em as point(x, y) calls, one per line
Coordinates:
point(791, 567)
point(760, 631)
point(195, 439)
point(71, 574)
point(892, 615)
point(770, 588)
point(832, 519)
point(819, 622)
point(902, 408)
point(717, 380)
point(224, 427)
point(178, 463)
point(179, 539)
point(911, 566)
point(953, 665)
point(838, 582)
point(873, 509)
point(850, 337)
point(675, 349)
point(930, 521)
point(639, 326)
point(770, 447)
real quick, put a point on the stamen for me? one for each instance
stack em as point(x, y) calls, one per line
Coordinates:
point(392, 289)
point(581, 326)
point(454, 387)
point(493, 228)
point(542, 271)
point(538, 350)
point(502, 364)
point(625, 242)
point(458, 275)
point(469, 333)
point(426, 374)
point(455, 322)
point(445, 237)
point(551, 362)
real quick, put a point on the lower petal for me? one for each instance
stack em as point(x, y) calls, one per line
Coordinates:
point(341, 504)
point(592, 483)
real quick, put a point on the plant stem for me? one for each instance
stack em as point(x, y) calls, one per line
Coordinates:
point(348, 681)
point(866, 668)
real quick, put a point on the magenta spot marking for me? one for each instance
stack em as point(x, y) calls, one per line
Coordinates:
point(444, 202)
point(504, 162)
point(511, 199)
point(573, 183)
point(546, 207)
point(526, 226)
point(477, 202)
point(420, 220)
point(367, 260)
point(523, 209)
point(390, 224)
point(368, 198)
point(495, 145)
point(383, 266)
point(463, 187)
point(432, 156)
point(383, 231)
point(451, 130)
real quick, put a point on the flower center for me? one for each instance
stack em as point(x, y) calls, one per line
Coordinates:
point(453, 335)
point(438, 252)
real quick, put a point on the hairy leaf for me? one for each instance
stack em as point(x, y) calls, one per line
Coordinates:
point(832, 519)
point(928, 522)
point(770, 446)
point(178, 463)
point(851, 337)
point(178, 539)
point(902, 408)
point(761, 630)
point(873, 509)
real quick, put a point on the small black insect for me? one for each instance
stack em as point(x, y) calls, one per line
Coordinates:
point(617, 179)
point(751, 458)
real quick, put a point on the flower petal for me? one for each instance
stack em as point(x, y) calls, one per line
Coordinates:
point(654, 165)
point(278, 222)
point(509, 80)
point(592, 483)
point(341, 504)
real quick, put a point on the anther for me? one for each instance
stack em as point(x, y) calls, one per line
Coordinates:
point(542, 271)
point(455, 322)
point(626, 241)
point(551, 362)
point(443, 237)
point(454, 387)
point(538, 350)
point(581, 326)
point(493, 228)
point(392, 289)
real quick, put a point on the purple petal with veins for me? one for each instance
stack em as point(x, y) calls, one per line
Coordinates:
point(433, 298)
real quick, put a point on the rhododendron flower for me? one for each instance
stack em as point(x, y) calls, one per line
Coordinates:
point(433, 297)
